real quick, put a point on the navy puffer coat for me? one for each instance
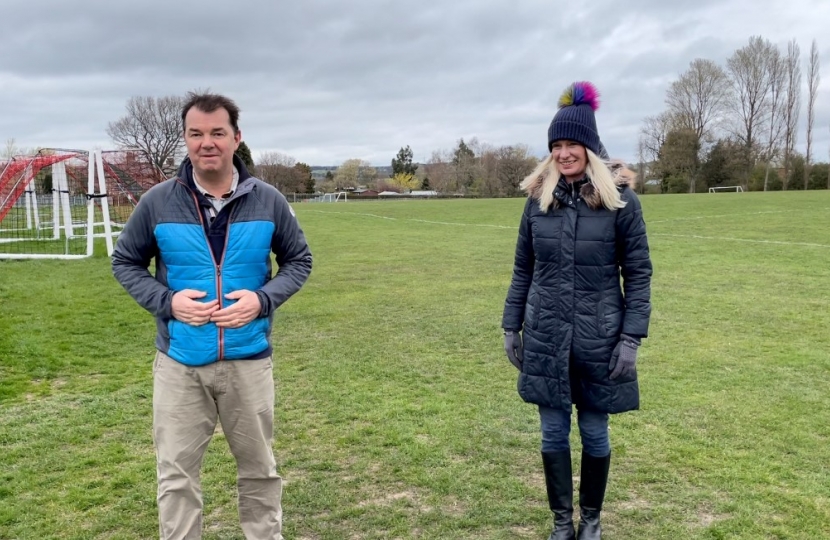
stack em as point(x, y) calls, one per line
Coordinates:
point(566, 297)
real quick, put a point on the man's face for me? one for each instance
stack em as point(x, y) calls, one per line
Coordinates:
point(211, 141)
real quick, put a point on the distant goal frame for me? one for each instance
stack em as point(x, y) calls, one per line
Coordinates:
point(735, 189)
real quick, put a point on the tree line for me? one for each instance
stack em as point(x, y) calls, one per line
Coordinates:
point(723, 125)
point(469, 169)
point(736, 124)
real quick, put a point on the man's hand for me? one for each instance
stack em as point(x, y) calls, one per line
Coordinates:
point(186, 309)
point(624, 357)
point(513, 347)
point(241, 313)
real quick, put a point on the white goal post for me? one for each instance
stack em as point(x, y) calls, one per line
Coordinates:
point(736, 189)
point(340, 196)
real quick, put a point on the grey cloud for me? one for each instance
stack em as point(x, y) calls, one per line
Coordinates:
point(327, 81)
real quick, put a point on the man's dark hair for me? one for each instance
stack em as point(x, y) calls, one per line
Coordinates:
point(208, 103)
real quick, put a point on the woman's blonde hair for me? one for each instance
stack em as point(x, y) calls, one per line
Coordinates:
point(541, 183)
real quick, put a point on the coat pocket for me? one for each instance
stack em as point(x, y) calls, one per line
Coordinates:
point(602, 325)
point(532, 308)
point(609, 318)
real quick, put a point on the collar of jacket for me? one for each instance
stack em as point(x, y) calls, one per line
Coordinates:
point(185, 173)
point(567, 193)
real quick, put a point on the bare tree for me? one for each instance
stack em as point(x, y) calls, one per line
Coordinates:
point(697, 101)
point(750, 68)
point(347, 173)
point(775, 124)
point(641, 166)
point(285, 179)
point(792, 104)
point(485, 171)
point(699, 98)
point(366, 174)
point(153, 126)
point(354, 172)
point(513, 165)
point(276, 158)
point(10, 149)
point(812, 88)
point(282, 171)
point(653, 134)
point(439, 171)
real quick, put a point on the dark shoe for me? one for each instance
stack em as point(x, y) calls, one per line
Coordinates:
point(559, 483)
point(594, 478)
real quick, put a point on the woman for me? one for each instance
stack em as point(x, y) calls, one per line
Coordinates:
point(581, 230)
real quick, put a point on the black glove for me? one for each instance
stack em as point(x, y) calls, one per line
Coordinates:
point(513, 348)
point(624, 357)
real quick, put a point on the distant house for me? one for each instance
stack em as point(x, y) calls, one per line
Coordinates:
point(388, 194)
point(424, 193)
point(363, 192)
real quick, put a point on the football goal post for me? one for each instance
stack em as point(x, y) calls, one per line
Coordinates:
point(54, 204)
point(736, 189)
point(340, 196)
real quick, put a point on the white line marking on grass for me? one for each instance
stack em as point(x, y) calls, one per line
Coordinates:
point(416, 220)
point(730, 239)
point(714, 216)
point(354, 214)
point(463, 224)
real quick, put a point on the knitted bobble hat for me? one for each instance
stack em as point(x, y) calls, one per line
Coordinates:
point(575, 119)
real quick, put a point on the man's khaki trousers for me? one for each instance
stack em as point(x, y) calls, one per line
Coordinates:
point(187, 401)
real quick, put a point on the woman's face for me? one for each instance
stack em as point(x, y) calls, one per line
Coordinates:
point(571, 159)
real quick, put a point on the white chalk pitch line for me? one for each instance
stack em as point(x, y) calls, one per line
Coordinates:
point(747, 240)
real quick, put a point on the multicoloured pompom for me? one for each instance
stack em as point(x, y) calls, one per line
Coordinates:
point(580, 93)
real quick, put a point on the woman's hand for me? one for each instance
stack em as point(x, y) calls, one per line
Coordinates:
point(624, 357)
point(513, 347)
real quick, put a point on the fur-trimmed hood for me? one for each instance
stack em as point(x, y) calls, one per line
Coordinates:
point(622, 175)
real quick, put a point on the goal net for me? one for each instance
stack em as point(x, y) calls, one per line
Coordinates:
point(55, 203)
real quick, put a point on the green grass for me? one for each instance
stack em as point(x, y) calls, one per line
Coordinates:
point(397, 414)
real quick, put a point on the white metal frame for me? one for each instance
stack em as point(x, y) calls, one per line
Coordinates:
point(60, 205)
point(335, 197)
point(738, 189)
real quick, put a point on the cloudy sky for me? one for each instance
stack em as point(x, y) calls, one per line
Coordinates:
point(325, 81)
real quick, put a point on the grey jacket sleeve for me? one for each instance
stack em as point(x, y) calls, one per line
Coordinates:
point(131, 258)
point(635, 266)
point(293, 259)
point(524, 262)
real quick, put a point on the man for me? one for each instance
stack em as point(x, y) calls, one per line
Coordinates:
point(211, 231)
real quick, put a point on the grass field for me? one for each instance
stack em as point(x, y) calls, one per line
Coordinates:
point(397, 412)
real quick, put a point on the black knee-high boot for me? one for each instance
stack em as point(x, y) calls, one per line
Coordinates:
point(559, 483)
point(594, 478)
